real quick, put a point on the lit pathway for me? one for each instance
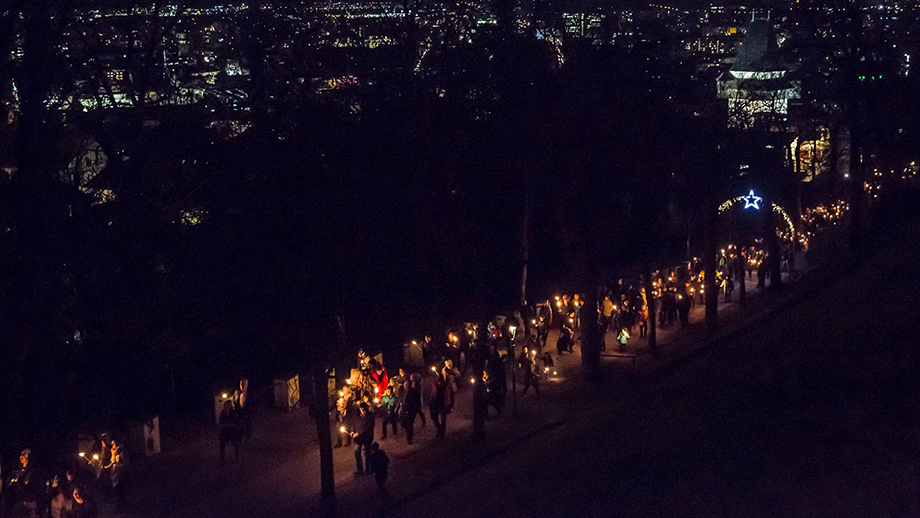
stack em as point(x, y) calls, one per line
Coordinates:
point(278, 475)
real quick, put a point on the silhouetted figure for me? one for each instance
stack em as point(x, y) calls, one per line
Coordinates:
point(529, 376)
point(379, 464)
point(363, 435)
point(442, 401)
point(243, 404)
point(230, 431)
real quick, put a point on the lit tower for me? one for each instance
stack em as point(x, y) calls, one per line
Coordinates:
point(757, 86)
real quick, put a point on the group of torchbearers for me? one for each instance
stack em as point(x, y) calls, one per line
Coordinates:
point(398, 401)
point(624, 306)
point(371, 395)
point(69, 489)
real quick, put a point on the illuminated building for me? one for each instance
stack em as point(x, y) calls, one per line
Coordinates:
point(582, 24)
point(757, 86)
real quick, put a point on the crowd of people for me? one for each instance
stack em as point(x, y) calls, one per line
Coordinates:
point(459, 359)
point(371, 395)
point(68, 490)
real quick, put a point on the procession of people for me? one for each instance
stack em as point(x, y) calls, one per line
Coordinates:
point(492, 354)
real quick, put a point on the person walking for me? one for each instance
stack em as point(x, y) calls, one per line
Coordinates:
point(607, 309)
point(20, 494)
point(442, 401)
point(388, 404)
point(642, 319)
point(116, 469)
point(398, 383)
point(363, 435)
point(495, 392)
point(230, 431)
point(411, 406)
point(564, 342)
point(241, 401)
point(528, 375)
point(62, 501)
point(343, 413)
point(683, 309)
point(417, 381)
point(623, 338)
point(379, 464)
point(728, 286)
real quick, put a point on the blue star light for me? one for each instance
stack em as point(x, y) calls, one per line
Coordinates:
point(751, 201)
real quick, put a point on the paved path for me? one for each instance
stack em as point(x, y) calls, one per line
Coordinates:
point(278, 474)
point(810, 412)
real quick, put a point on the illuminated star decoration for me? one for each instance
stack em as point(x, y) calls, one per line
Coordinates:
point(751, 201)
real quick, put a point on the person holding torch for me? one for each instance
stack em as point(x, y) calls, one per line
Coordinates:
point(363, 435)
point(343, 412)
point(442, 400)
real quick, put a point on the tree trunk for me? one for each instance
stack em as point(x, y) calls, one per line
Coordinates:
point(324, 435)
point(590, 335)
point(525, 254)
point(771, 241)
point(709, 267)
point(857, 188)
point(742, 286)
point(650, 302)
point(480, 410)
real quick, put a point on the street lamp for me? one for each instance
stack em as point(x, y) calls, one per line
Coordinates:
point(513, 329)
